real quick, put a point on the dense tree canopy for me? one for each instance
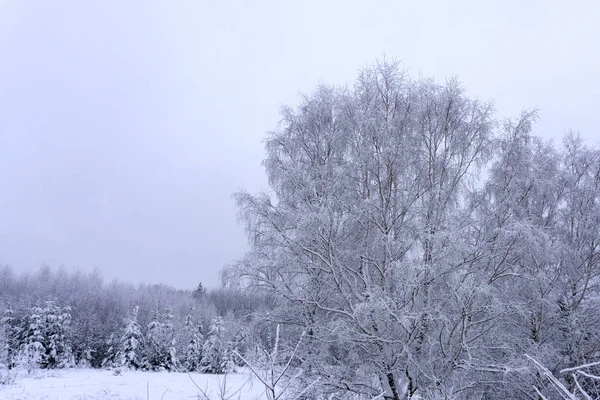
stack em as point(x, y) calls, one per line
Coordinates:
point(423, 245)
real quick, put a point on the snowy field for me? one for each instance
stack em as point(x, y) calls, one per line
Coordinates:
point(91, 384)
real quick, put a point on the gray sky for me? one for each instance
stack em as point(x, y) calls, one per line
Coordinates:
point(125, 126)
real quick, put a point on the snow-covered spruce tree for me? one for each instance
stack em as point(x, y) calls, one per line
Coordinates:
point(131, 352)
point(153, 342)
point(160, 342)
point(85, 357)
point(56, 331)
point(31, 344)
point(4, 350)
point(216, 357)
point(10, 343)
point(238, 345)
point(193, 354)
point(236, 336)
point(43, 338)
point(171, 360)
point(88, 338)
point(112, 355)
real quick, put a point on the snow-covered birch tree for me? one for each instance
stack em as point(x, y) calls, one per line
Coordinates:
point(366, 237)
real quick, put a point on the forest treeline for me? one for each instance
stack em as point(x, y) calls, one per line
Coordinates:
point(56, 318)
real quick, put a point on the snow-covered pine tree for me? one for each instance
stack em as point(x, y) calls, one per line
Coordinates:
point(131, 354)
point(193, 355)
point(215, 358)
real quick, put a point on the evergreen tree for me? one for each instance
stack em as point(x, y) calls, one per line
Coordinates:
point(193, 355)
point(153, 341)
point(200, 292)
point(131, 354)
point(112, 354)
point(171, 362)
point(10, 342)
point(88, 339)
point(56, 330)
point(3, 347)
point(5, 376)
point(160, 342)
point(85, 358)
point(215, 352)
point(31, 348)
point(238, 345)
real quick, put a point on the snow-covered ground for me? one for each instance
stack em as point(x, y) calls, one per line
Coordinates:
point(90, 384)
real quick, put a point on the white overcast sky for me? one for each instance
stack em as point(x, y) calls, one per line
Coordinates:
point(125, 126)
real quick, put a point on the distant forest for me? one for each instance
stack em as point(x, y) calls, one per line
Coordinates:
point(55, 318)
